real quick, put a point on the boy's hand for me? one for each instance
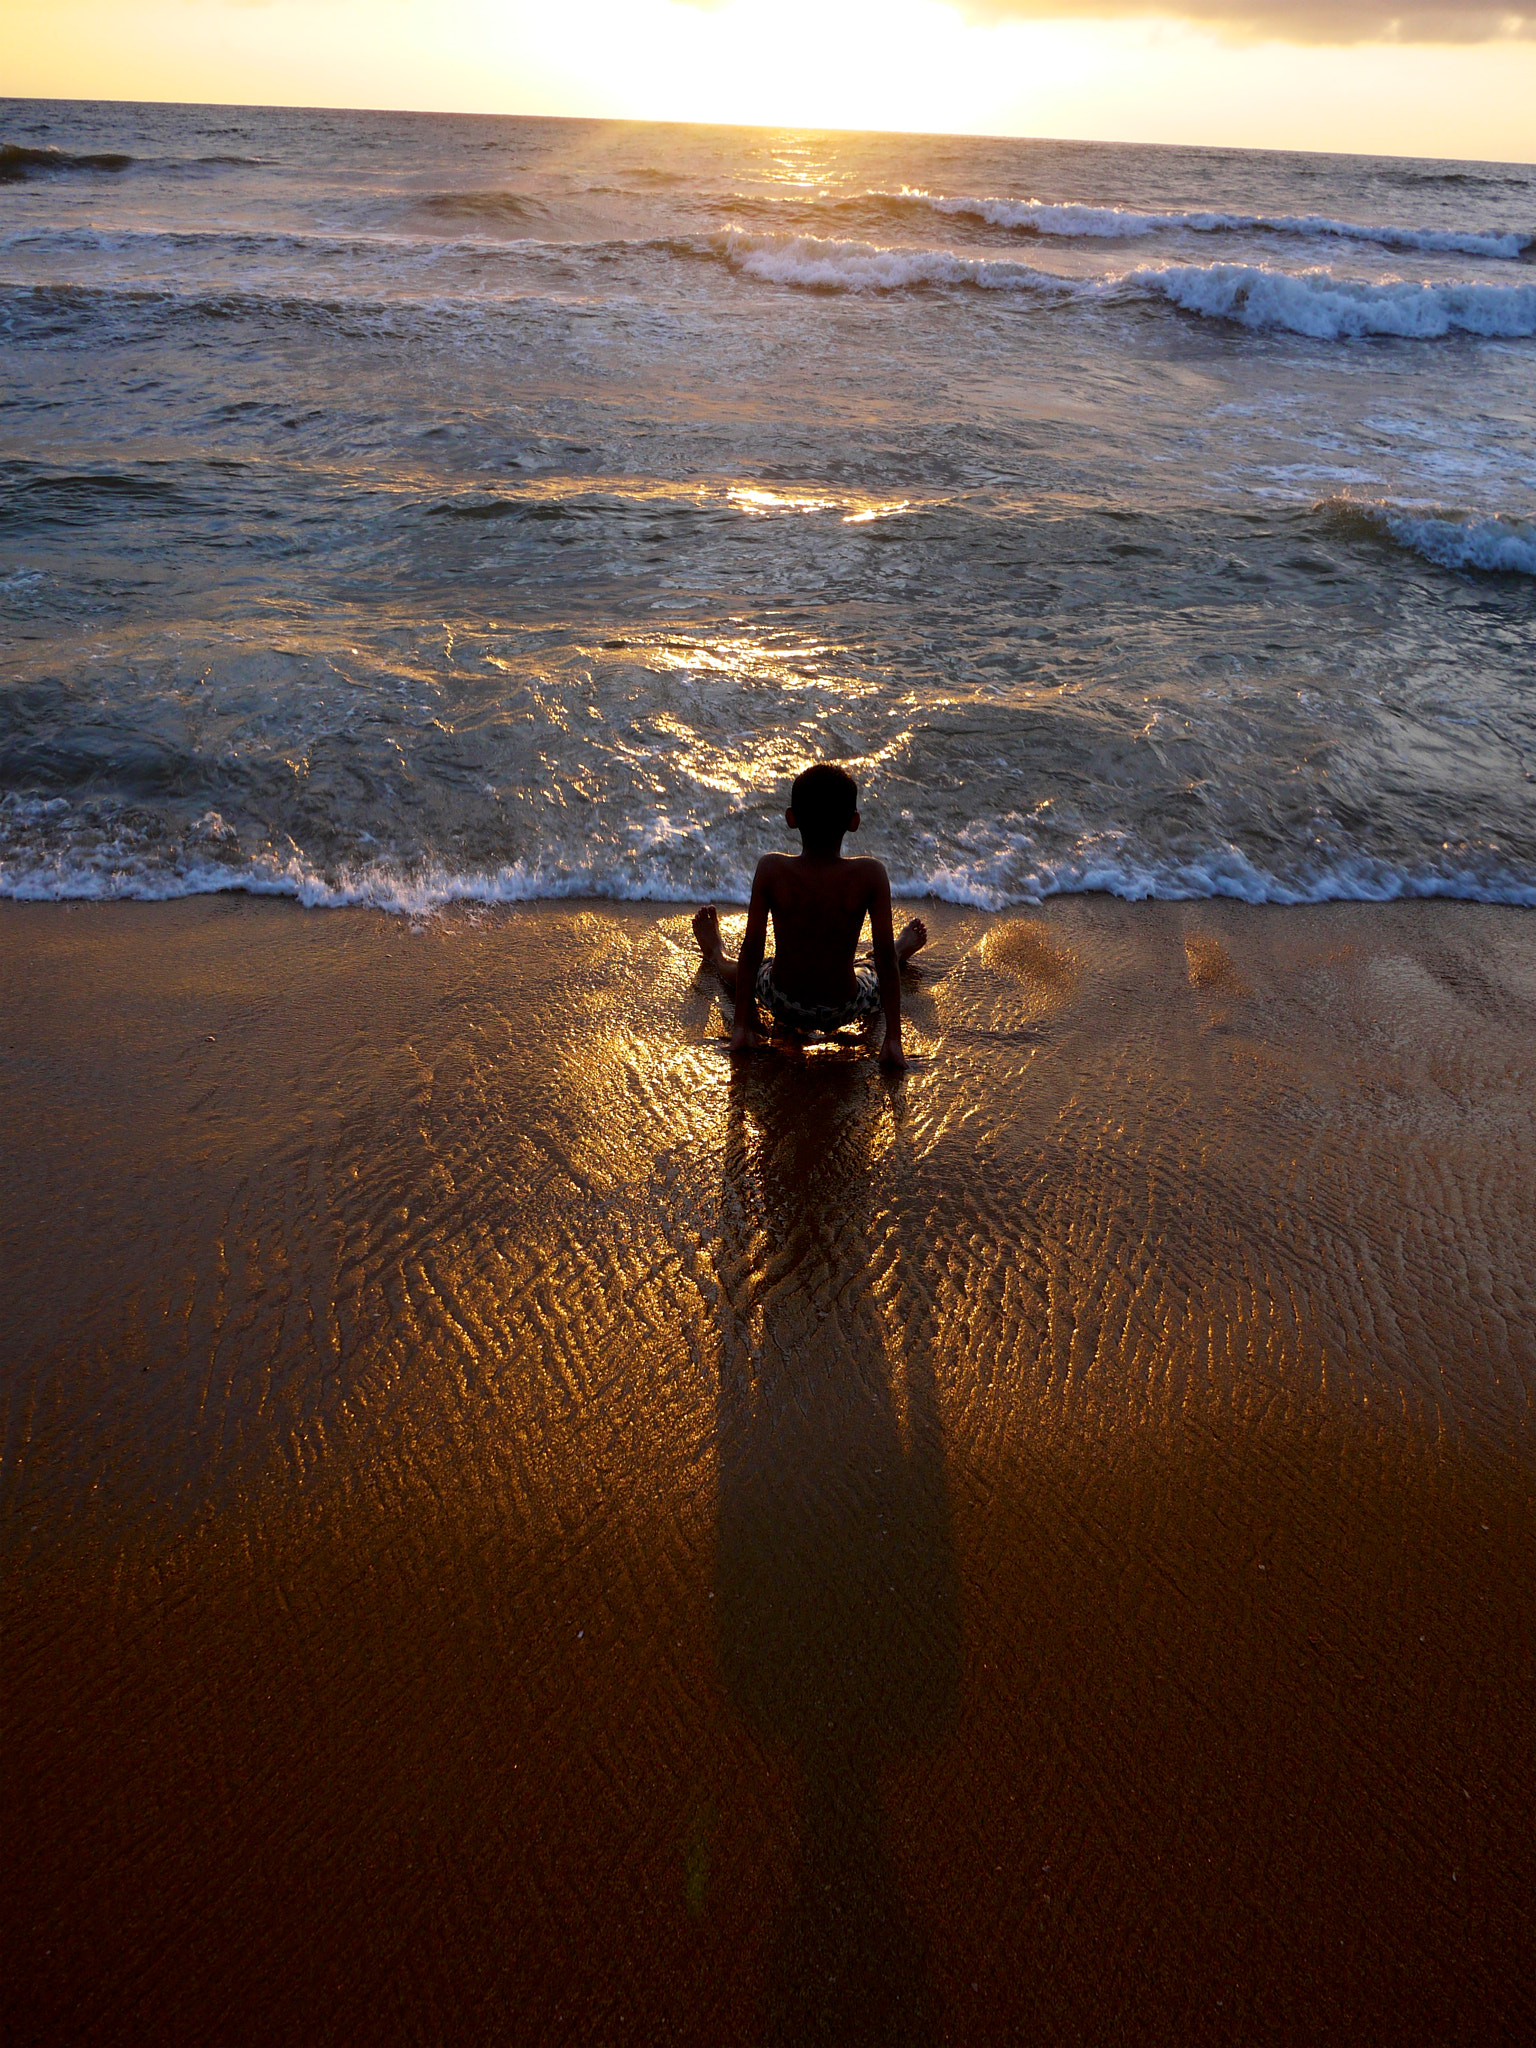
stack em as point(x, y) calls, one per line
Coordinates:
point(891, 1054)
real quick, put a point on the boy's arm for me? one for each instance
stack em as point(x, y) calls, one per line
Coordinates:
point(886, 970)
point(745, 1024)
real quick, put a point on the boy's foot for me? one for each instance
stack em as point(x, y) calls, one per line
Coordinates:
point(706, 930)
point(913, 936)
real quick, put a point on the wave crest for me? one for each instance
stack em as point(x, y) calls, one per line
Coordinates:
point(1073, 220)
point(18, 162)
point(819, 264)
point(1324, 307)
point(1494, 544)
point(56, 850)
point(489, 206)
point(1314, 303)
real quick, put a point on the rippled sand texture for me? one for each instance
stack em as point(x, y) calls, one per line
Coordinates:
point(513, 1532)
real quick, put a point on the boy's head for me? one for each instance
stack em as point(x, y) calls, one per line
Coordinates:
point(823, 805)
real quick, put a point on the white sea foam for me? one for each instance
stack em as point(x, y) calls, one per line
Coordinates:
point(1002, 877)
point(409, 893)
point(1074, 220)
point(819, 264)
point(1223, 872)
point(1318, 304)
point(1315, 303)
point(1494, 543)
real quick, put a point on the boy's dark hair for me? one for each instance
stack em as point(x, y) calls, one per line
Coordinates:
point(823, 800)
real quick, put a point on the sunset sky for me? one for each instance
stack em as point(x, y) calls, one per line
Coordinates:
point(1454, 79)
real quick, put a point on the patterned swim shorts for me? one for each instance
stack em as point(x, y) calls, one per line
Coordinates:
point(822, 1017)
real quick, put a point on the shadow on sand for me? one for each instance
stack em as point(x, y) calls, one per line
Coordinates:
point(835, 1579)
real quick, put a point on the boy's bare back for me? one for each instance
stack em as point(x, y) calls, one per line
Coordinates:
point(818, 906)
point(818, 903)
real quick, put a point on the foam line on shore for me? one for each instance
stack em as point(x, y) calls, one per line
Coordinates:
point(1009, 879)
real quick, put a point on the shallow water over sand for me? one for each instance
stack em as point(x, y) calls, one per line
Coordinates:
point(515, 1531)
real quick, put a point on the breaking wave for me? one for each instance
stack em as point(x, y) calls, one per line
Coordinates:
point(1314, 303)
point(52, 851)
point(1075, 221)
point(817, 264)
point(1492, 544)
point(1324, 307)
point(1319, 303)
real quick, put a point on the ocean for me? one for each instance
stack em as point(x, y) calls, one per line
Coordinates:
point(399, 508)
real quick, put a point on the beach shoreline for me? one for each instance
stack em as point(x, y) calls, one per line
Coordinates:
point(515, 1530)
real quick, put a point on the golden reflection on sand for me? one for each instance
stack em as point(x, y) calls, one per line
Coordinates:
point(1022, 946)
point(835, 1580)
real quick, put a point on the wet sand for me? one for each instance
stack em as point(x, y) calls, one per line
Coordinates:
point(513, 1532)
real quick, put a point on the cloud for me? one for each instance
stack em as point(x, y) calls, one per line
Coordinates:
point(1297, 21)
point(1286, 21)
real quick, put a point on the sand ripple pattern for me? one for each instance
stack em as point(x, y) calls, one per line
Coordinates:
point(761, 1555)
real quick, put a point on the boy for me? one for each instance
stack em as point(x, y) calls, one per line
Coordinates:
point(819, 902)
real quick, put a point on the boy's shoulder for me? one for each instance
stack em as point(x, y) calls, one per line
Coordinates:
point(860, 865)
point(866, 868)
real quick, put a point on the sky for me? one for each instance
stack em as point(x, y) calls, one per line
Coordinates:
point(1446, 78)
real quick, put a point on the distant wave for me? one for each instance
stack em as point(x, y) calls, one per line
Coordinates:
point(1493, 544)
point(268, 248)
point(1314, 303)
point(1318, 304)
point(824, 265)
point(481, 206)
point(19, 162)
point(653, 174)
point(1074, 220)
point(43, 310)
point(91, 240)
point(1411, 175)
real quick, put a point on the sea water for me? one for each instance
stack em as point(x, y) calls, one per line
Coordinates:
point(402, 508)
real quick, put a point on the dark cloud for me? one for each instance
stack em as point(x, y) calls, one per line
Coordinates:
point(1298, 21)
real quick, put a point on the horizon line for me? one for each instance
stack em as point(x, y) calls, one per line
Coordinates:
point(762, 128)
